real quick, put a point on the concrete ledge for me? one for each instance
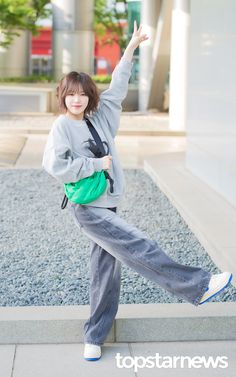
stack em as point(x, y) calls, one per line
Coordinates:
point(24, 98)
point(10, 149)
point(138, 123)
point(23, 131)
point(133, 323)
point(47, 92)
point(176, 322)
point(122, 131)
point(21, 114)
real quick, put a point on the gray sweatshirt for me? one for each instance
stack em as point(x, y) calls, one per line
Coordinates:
point(68, 154)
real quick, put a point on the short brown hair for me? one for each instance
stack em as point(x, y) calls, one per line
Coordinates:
point(70, 83)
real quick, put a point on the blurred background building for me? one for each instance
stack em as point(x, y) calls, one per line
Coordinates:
point(105, 56)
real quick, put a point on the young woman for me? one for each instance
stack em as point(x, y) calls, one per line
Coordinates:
point(70, 156)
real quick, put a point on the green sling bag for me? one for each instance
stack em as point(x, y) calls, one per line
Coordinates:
point(88, 189)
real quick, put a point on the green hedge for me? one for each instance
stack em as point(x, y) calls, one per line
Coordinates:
point(28, 79)
point(102, 79)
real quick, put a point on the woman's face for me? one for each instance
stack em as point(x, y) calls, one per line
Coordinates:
point(76, 103)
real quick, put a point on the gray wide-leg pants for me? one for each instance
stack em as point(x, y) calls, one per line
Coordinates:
point(113, 241)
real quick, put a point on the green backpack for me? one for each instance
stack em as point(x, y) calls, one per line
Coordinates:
point(88, 189)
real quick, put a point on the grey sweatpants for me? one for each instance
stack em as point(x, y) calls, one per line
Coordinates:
point(113, 241)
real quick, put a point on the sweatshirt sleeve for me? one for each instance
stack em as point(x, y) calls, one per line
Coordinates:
point(111, 99)
point(59, 162)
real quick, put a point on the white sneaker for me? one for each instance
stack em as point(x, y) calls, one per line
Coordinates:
point(92, 352)
point(216, 284)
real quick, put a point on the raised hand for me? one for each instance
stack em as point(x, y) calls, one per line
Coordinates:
point(137, 36)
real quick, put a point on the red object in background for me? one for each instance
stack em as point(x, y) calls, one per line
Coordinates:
point(42, 43)
point(106, 56)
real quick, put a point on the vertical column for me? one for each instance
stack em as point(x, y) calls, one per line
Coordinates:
point(211, 110)
point(178, 64)
point(73, 37)
point(14, 61)
point(160, 57)
point(149, 15)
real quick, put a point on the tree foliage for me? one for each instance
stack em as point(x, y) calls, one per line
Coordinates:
point(16, 15)
point(109, 19)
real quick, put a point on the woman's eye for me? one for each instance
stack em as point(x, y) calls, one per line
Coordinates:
point(73, 94)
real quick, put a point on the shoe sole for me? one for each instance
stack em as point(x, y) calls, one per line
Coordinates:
point(92, 358)
point(225, 286)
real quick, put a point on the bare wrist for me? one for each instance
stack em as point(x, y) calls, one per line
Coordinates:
point(128, 53)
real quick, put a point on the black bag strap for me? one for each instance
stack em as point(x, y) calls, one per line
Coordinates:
point(99, 143)
point(64, 202)
point(96, 136)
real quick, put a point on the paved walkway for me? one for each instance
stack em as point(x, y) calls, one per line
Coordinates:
point(140, 123)
point(208, 359)
point(139, 136)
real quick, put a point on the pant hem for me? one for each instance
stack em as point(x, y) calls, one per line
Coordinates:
point(93, 342)
point(203, 290)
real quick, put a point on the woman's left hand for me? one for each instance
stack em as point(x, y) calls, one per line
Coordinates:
point(137, 37)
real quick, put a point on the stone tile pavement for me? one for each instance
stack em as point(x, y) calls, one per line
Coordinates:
point(165, 359)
